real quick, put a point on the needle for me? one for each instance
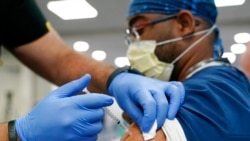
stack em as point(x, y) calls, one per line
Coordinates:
point(118, 122)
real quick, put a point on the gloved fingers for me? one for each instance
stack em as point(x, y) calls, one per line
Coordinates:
point(73, 87)
point(181, 90)
point(148, 104)
point(92, 115)
point(135, 112)
point(90, 138)
point(176, 94)
point(92, 101)
point(161, 107)
point(90, 129)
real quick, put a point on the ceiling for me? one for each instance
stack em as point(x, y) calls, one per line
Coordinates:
point(112, 16)
point(112, 19)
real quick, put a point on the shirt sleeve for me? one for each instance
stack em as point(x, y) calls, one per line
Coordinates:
point(173, 130)
point(23, 23)
point(216, 106)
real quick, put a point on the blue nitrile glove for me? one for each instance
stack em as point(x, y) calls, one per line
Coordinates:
point(61, 116)
point(145, 99)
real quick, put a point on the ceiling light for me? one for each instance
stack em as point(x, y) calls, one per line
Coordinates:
point(242, 38)
point(230, 56)
point(99, 55)
point(238, 48)
point(224, 3)
point(81, 46)
point(72, 9)
point(121, 61)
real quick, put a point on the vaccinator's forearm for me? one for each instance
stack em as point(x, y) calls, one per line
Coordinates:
point(4, 132)
point(54, 60)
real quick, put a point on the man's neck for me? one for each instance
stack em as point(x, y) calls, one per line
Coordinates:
point(185, 70)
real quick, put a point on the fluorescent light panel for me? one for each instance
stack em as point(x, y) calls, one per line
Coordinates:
point(224, 3)
point(238, 48)
point(99, 55)
point(242, 38)
point(81, 46)
point(121, 61)
point(72, 9)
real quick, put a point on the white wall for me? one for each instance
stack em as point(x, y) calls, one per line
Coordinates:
point(25, 87)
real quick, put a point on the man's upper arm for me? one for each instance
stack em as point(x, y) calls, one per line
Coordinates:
point(23, 23)
point(136, 135)
point(244, 61)
point(217, 99)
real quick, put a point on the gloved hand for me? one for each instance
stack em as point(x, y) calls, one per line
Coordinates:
point(146, 99)
point(61, 116)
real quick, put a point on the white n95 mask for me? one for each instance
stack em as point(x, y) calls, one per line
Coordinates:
point(141, 56)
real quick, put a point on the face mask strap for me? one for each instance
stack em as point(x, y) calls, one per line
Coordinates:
point(169, 41)
point(207, 31)
point(182, 38)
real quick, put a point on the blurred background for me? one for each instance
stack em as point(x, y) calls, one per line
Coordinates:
point(100, 33)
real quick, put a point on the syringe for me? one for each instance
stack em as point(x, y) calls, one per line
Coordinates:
point(118, 122)
point(112, 116)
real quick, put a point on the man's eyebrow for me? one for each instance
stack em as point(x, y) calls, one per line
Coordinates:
point(134, 19)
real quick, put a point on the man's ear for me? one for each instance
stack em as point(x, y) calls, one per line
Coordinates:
point(186, 22)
